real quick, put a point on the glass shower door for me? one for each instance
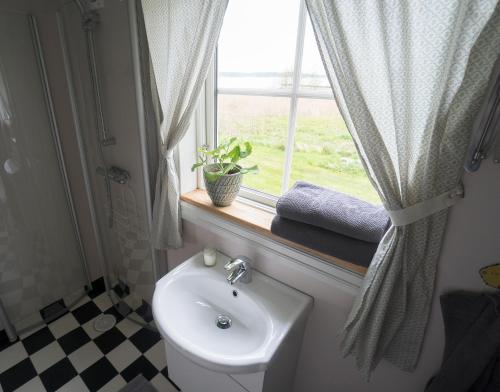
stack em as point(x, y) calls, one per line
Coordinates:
point(41, 260)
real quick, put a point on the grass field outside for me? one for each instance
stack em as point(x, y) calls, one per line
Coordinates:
point(324, 153)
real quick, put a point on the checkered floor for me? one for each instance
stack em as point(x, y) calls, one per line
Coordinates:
point(68, 354)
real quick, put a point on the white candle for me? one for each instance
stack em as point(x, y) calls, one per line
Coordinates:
point(209, 256)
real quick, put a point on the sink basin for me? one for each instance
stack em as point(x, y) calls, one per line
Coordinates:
point(188, 300)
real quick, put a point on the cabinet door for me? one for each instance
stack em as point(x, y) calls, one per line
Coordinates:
point(191, 377)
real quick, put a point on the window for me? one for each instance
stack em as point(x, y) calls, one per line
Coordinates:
point(271, 89)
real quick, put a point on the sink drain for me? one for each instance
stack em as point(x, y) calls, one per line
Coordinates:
point(222, 321)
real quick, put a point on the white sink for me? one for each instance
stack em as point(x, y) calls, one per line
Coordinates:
point(188, 300)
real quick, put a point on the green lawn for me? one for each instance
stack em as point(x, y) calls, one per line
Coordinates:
point(324, 153)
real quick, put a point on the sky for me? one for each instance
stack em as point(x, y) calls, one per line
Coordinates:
point(260, 36)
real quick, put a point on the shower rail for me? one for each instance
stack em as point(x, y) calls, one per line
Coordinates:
point(90, 20)
point(89, 24)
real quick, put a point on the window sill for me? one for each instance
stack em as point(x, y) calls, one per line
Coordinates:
point(259, 221)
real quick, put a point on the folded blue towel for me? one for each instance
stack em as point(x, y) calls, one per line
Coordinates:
point(334, 211)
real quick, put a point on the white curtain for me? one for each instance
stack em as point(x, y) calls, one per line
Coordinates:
point(408, 77)
point(182, 35)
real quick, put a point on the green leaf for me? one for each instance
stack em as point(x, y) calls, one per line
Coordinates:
point(213, 176)
point(228, 167)
point(247, 151)
point(196, 165)
point(234, 154)
point(253, 169)
point(216, 152)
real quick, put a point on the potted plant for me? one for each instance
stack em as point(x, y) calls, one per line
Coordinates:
point(221, 172)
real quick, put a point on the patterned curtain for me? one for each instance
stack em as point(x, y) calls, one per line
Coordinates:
point(182, 35)
point(408, 77)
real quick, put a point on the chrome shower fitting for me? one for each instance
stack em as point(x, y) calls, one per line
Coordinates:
point(116, 174)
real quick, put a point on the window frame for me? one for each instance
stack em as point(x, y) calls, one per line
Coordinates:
point(207, 134)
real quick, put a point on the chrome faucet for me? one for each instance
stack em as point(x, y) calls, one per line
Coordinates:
point(241, 270)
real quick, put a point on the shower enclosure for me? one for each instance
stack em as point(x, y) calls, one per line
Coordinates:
point(41, 256)
point(44, 263)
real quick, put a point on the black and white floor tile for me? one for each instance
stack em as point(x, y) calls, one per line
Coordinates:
point(68, 354)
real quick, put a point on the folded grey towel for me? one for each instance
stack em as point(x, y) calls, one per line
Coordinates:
point(334, 211)
point(472, 347)
point(338, 245)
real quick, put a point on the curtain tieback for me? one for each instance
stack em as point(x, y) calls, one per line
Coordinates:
point(414, 213)
point(168, 154)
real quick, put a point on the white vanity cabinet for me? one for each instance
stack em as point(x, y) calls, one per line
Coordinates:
point(277, 377)
point(259, 349)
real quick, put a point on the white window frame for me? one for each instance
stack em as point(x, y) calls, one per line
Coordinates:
point(207, 113)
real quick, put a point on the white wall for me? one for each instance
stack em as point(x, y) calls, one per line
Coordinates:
point(471, 242)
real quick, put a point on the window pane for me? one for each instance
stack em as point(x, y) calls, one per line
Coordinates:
point(257, 44)
point(313, 77)
point(324, 152)
point(264, 122)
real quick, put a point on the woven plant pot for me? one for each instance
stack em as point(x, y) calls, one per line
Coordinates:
point(224, 190)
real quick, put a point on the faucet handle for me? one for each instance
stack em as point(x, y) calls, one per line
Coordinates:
point(243, 261)
point(232, 264)
point(241, 270)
